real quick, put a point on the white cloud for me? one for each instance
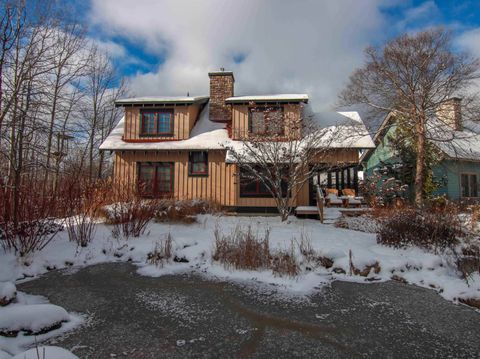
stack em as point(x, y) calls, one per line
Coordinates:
point(470, 41)
point(289, 46)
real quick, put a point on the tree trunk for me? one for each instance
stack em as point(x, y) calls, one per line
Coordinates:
point(420, 162)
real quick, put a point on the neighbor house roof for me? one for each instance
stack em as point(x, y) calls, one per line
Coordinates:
point(462, 144)
point(269, 98)
point(186, 100)
point(348, 131)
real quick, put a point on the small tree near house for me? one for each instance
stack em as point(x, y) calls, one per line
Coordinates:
point(416, 76)
point(285, 153)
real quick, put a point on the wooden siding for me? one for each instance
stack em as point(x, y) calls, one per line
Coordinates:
point(218, 186)
point(222, 185)
point(240, 128)
point(183, 121)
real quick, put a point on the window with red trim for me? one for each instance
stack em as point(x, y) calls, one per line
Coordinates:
point(266, 121)
point(155, 179)
point(198, 163)
point(252, 186)
point(156, 123)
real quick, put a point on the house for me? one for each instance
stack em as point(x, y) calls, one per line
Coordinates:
point(176, 146)
point(457, 175)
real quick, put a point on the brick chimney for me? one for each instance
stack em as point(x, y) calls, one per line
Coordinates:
point(221, 87)
point(450, 112)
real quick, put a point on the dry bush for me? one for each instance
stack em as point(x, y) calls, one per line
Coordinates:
point(161, 253)
point(305, 246)
point(185, 211)
point(242, 249)
point(82, 203)
point(284, 262)
point(28, 225)
point(433, 229)
point(130, 219)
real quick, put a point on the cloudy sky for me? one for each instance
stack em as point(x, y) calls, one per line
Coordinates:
point(166, 47)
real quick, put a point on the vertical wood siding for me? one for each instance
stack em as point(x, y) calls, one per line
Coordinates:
point(218, 186)
point(222, 185)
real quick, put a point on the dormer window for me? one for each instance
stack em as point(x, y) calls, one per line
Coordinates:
point(156, 123)
point(266, 120)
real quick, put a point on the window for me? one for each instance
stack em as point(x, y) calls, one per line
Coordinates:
point(155, 179)
point(252, 186)
point(156, 123)
point(266, 120)
point(198, 163)
point(468, 184)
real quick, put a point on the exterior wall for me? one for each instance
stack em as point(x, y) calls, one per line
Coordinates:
point(451, 170)
point(222, 184)
point(240, 128)
point(184, 119)
point(382, 153)
point(218, 187)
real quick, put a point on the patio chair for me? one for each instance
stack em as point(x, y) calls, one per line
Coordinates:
point(351, 200)
point(332, 198)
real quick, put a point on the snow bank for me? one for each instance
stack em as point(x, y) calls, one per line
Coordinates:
point(46, 352)
point(195, 243)
point(33, 318)
point(8, 291)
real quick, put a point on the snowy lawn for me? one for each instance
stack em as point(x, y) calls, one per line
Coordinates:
point(195, 243)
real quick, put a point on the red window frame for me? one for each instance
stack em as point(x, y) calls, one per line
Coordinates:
point(156, 112)
point(265, 110)
point(155, 192)
point(192, 162)
point(261, 191)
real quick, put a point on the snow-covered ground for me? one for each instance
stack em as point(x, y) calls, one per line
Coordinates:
point(195, 242)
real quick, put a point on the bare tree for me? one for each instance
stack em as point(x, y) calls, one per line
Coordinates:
point(69, 64)
point(103, 88)
point(413, 76)
point(287, 152)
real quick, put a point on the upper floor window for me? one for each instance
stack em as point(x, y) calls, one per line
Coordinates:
point(266, 121)
point(468, 184)
point(198, 163)
point(157, 123)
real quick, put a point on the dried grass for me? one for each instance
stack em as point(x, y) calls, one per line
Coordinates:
point(162, 252)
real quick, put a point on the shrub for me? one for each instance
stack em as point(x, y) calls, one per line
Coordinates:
point(130, 219)
point(162, 252)
point(430, 229)
point(82, 205)
point(29, 236)
point(185, 211)
point(284, 262)
point(242, 249)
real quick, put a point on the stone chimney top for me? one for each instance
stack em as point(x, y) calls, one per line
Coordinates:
point(450, 112)
point(221, 88)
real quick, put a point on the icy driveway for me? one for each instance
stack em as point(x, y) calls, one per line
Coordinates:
point(180, 316)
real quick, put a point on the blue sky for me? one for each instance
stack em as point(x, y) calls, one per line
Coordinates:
point(166, 47)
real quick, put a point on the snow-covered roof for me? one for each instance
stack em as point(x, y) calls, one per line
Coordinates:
point(205, 135)
point(269, 98)
point(162, 100)
point(348, 131)
point(463, 144)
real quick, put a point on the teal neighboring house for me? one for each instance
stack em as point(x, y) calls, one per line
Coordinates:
point(458, 173)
